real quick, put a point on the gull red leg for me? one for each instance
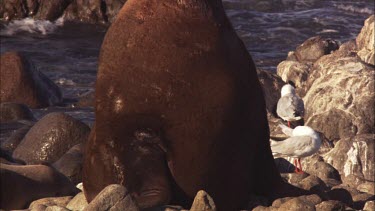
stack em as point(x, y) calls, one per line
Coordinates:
point(288, 124)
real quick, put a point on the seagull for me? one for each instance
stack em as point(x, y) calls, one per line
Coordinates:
point(290, 107)
point(303, 141)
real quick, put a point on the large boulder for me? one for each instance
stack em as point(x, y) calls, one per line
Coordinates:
point(354, 159)
point(340, 100)
point(20, 185)
point(365, 41)
point(70, 164)
point(50, 138)
point(23, 83)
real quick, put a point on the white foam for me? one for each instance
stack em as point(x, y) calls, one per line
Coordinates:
point(32, 26)
point(354, 9)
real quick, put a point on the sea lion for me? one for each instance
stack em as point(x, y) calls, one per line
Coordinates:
point(22, 184)
point(179, 108)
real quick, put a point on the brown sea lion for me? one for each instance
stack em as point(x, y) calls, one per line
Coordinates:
point(179, 108)
point(20, 185)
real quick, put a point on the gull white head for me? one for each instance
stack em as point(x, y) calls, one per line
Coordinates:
point(287, 89)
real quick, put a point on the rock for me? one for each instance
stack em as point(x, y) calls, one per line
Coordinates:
point(314, 184)
point(340, 92)
point(33, 88)
point(14, 112)
point(203, 202)
point(294, 71)
point(296, 204)
point(353, 157)
point(113, 197)
point(314, 48)
point(263, 208)
point(112, 8)
point(51, 10)
point(370, 206)
point(316, 166)
point(70, 164)
point(87, 99)
point(80, 186)
point(330, 205)
point(365, 42)
point(21, 185)
point(294, 178)
point(32, 7)
point(367, 187)
point(11, 143)
point(56, 208)
point(78, 203)
point(167, 208)
point(50, 138)
point(12, 9)
point(89, 11)
point(342, 195)
point(271, 86)
point(278, 202)
point(51, 201)
point(360, 199)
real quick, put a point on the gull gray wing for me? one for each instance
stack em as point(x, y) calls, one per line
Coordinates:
point(296, 146)
point(289, 107)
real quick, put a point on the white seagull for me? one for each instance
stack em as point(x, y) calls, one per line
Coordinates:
point(303, 142)
point(290, 107)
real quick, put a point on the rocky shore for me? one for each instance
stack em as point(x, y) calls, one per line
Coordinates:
point(335, 80)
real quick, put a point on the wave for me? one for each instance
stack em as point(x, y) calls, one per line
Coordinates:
point(30, 25)
point(354, 9)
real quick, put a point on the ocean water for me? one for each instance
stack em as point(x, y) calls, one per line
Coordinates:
point(68, 53)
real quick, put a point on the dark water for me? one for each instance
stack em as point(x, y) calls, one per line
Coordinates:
point(67, 53)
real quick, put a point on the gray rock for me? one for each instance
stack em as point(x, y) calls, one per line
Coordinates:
point(112, 8)
point(50, 138)
point(70, 164)
point(87, 99)
point(294, 178)
point(22, 184)
point(370, 206)
point(51, 10)
point(294, 71)
point(78, 203)
point(113, 197)
point(51, 201)
point(340, 93)
point(314, 48)
point(353, 157)
point(330, 205)
point(271, 86)
point(33, 88)
point(11, 143)
point(367, 187)
point(316, 166)
point(313, 183)
point(342, 195)
point(203, 202)
point(365, 42)
point(12, 9)
point(89, 11)
point(296, 204)
point(15, 111)
point(56, 208)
